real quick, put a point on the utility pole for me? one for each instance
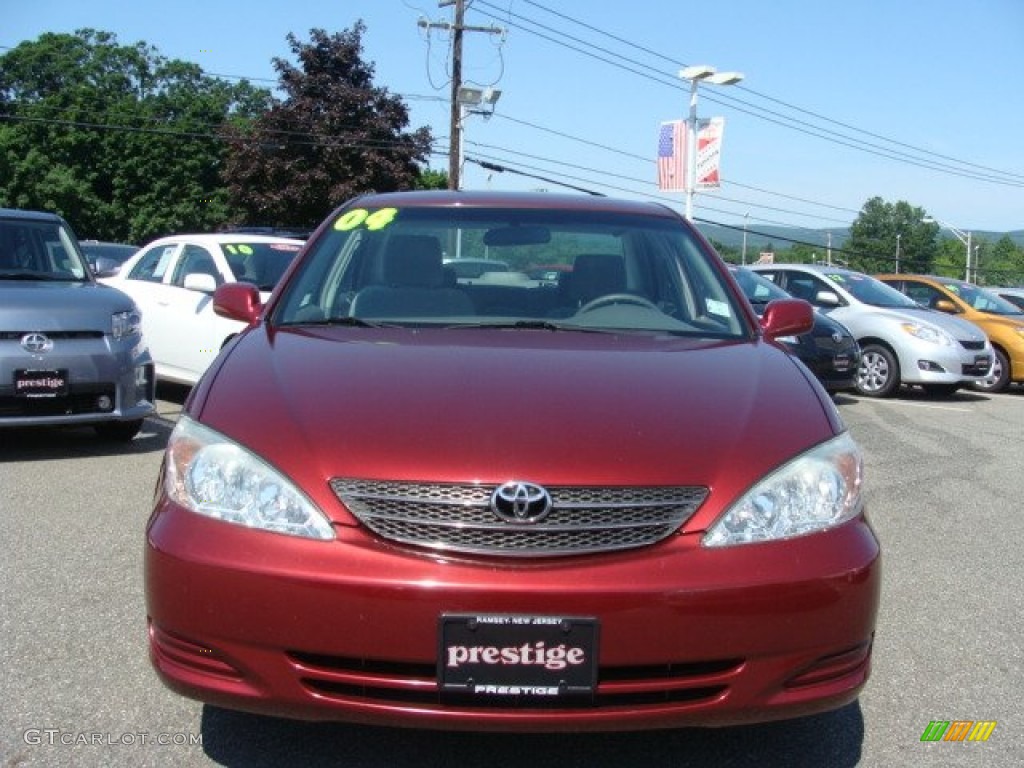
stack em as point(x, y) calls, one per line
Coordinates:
point(457, 27)
point(455, 144)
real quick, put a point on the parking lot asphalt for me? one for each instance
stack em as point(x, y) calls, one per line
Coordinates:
point(943, 484)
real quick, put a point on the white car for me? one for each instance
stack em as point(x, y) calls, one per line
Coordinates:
point(901, 342)
point(172, 281)
point(1013, 295)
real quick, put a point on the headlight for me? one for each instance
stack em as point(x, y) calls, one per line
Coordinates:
point(126, 323)
point(818, 490)
point(928, 333)
point(214, 476)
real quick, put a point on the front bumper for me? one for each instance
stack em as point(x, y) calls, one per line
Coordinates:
point(348, 630)
point(932, 364)
point(107, 380)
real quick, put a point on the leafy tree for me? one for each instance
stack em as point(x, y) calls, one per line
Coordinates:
point(1001, 263)
point(880, 228)
point(335, 135)
point(429, 179)
point(118, 139)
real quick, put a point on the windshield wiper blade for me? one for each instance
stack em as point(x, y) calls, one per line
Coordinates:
point(532, 325)
point(37, 276)
point(344, 320)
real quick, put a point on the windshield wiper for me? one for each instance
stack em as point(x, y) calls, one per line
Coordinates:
point(24, 275)
point(532, 325)
point(344, 320)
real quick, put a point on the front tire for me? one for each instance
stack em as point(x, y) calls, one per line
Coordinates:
point(998, 378)
point(879, 372)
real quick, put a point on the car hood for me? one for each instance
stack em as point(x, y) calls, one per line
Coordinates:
point(826, 326)
point(31, 305)
point(958, 328)
point(475, 405)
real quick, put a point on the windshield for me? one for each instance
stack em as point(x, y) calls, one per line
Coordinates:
point(982, 300)
point(872, 291)
point(602, 271)
point(758, 290)
point(38, 250)
point(258, 262)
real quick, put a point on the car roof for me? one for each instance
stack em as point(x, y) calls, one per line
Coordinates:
point(18, 213)
point(506, 199)
point(222, 238)
point(819, 268)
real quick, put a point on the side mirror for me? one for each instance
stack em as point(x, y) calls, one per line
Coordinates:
point(104, 267)
point(947, 306)
point(827, 298)
point(238, 301)
point(787, 317)
point(200, 281)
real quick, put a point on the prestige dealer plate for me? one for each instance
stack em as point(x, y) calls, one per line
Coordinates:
point(37, 383)
point(498, 655)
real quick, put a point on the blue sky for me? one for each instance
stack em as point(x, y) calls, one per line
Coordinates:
point(842, 101)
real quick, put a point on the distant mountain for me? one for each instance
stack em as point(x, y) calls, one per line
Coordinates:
point(760, 237)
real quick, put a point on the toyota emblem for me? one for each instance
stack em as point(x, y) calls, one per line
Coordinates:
point(519, 502)
point(36, 343)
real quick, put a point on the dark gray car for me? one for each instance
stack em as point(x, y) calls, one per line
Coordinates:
point(71, 349)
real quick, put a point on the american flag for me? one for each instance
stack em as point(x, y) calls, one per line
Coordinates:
point(672, 155)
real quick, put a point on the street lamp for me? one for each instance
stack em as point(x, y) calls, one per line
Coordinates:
point(898, 236)
point(963, 237)
point(470, 100)
point(696, 74)
point(746, 216)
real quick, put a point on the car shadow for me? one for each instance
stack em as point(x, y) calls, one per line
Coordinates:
point(238, 739)
point(49, 443)
point(66, 442)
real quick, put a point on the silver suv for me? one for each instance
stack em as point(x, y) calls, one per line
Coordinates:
point(71, 349)
point(900, 341)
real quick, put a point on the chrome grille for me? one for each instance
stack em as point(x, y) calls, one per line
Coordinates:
point(458, 517)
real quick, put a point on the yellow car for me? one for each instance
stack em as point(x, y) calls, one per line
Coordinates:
point(1001, 321)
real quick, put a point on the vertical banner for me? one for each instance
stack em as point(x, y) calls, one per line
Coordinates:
point(709, 152)
point(672, 155)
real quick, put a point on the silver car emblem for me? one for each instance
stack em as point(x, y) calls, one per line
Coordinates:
point(519, 502)
point(36, 343)
point(837, 337)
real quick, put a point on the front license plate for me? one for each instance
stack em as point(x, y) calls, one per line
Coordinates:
point(841, 362)
point(30, 383)
point(517, 656)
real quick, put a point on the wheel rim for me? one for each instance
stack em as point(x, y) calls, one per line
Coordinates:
point(873, 374)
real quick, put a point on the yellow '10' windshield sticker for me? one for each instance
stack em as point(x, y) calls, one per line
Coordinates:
point(360, 217)
point(240, 248)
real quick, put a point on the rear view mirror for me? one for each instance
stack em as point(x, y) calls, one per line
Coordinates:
point(517, 236)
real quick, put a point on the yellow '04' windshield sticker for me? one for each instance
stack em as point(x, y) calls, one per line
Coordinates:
point(361, 217)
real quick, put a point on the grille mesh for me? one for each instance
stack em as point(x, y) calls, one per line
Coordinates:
point(458, 517)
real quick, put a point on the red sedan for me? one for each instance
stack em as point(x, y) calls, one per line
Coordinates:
point(610, 503)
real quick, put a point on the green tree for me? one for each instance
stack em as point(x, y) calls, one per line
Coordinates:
point(881, 228)
point(120, 140)
point(1000, 263)
point(429, 179)
point(335, 135)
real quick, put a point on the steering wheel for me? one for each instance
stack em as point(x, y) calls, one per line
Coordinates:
point(618, 298)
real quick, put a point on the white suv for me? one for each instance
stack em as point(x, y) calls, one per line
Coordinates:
point(901, 342)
